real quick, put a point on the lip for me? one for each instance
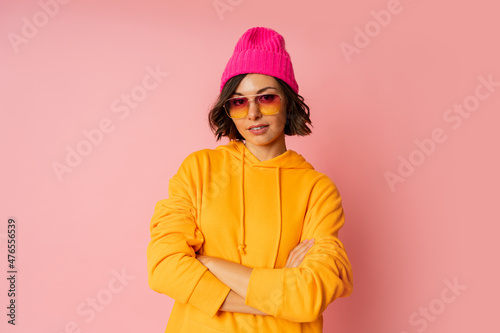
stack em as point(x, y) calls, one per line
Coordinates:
point(258, 125)
point(260, 131)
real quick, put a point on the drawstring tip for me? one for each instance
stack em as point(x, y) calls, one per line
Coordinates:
point(241, 248)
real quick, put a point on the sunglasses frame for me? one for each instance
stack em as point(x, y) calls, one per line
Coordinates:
point(253, 100)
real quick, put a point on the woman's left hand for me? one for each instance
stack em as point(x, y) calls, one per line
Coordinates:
point(298, 253)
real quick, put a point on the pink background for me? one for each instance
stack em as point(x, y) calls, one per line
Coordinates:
point(406, 243)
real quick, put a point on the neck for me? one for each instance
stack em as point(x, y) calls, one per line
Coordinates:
point(269, 151)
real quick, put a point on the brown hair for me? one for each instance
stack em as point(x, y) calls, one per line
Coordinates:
point(297, 116)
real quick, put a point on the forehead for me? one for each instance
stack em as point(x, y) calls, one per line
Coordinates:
point(252, 83)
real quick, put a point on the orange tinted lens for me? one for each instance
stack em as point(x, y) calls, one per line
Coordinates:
point(237, 107)
point(269, 104)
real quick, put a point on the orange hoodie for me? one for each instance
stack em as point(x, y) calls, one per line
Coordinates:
point(226, 203)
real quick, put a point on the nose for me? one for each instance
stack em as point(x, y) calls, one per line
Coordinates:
point(253, 111)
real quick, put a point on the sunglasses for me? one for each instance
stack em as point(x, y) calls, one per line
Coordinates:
point(268, 104)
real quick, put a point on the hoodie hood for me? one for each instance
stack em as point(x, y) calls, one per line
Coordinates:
point(288, 160)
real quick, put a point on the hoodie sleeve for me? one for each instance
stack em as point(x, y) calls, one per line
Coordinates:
point(171, 260)
point(302, 293)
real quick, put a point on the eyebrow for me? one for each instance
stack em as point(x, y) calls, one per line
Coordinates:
point(258, 92)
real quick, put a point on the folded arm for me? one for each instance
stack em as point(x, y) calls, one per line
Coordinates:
point(236, 303)
point(302, 293)
point(237, 277)
point(171, 259)
point(299, 292)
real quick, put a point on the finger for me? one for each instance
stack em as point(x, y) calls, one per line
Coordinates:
point(299, 257)
point(302, 248)
point(291, 256)
point(287, 264)
point(301, 245)
point(299, 248)
point(297, 254)
point(300, 253)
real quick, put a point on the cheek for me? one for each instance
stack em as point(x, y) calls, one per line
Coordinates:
point(282, 119)
point(238, 125)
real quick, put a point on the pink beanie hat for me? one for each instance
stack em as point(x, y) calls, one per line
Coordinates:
point(261, 51)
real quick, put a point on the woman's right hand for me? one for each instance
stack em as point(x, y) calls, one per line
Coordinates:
point(298, 253)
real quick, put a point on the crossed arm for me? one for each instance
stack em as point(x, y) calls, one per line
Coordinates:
point(237, 277)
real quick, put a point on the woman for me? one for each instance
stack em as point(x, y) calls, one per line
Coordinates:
point(248, 239)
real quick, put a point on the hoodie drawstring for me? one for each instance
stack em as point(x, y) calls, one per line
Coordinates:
point(241, 243)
